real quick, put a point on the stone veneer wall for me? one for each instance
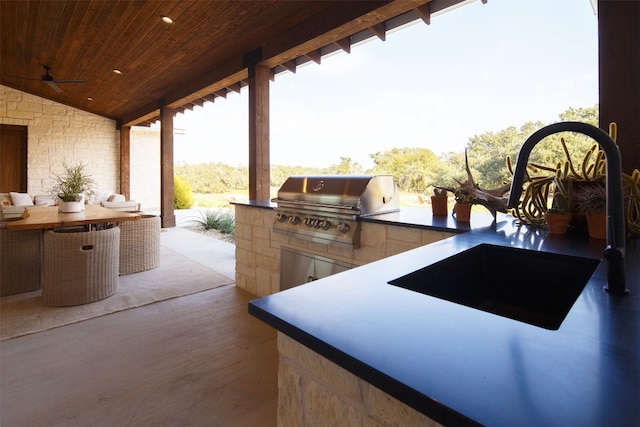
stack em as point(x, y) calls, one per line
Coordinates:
point(258, 247)
point(313, 391)
point(58, 133)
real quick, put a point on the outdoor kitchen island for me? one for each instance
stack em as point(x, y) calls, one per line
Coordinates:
point(259, 247)
point(351, 344)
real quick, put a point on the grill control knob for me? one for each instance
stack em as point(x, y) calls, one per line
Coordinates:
point(293, 220)
point(343, 228)
point(324, 224)
point(281, 217)
point(308, 222)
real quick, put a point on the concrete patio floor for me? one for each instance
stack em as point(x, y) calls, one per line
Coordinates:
point(213, 253)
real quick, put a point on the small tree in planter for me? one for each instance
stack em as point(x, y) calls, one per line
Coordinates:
point(71, 187)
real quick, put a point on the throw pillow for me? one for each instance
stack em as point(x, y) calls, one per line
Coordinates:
point(116, 198)
point(101, 197)
point(44, 200)
point(21, 199)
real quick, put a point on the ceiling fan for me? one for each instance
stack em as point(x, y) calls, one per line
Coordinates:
point(51, 81)
point(48, 79)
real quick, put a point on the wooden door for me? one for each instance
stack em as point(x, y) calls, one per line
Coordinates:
point(13, 158)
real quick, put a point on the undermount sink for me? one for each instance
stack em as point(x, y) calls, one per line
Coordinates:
point(534, 287)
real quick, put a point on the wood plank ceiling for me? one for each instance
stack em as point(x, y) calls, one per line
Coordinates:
point(198, 58)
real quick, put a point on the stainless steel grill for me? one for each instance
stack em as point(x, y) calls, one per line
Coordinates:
point(326, 208)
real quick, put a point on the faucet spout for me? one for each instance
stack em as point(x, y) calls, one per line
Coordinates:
point(616, 233)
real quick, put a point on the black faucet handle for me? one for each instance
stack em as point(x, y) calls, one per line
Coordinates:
point(612, 253)
point(615, 271)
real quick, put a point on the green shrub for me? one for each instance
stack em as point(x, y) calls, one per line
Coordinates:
point(223, 221)
point(182, 194)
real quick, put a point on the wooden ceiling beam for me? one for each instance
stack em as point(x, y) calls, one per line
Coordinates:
point(209, 83)
point(235, 87)
point(328, 27)
point(315, 56)
point(380, 30)
point(222, 93)
point(424, 12)
point(141, 115)
point(344, 44)
point(290, 65)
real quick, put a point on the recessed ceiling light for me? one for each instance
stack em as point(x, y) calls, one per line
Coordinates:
point(167, 20)
point(89, 98)
point(115, 70)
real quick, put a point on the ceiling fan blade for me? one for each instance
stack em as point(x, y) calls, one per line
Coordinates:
point(53, 86)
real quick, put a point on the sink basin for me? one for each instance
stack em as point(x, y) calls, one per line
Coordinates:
point(534, 287)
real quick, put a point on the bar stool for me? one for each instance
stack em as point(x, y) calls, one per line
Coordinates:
point(80, 267)
point(140, 244)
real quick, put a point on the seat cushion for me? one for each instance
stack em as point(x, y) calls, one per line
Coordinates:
point(129, 206)
point(12, 211)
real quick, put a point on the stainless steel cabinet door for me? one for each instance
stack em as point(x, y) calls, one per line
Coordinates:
point(297, 268)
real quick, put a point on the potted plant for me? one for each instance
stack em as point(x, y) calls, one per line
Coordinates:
point(590, 199)
point(462, 207)
point(439, 201)
point(558, 216)
point(71, 187)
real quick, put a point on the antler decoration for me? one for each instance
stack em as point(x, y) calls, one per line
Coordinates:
point(493, 199)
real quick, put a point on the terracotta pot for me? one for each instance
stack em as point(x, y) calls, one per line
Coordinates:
point(462, 211)
point(597, 225)
point(439, 205)
point(557, 223)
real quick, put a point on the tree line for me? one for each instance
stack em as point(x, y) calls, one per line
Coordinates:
point(416, 169)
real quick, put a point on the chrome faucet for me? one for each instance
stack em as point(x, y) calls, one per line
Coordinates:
point(615, 250)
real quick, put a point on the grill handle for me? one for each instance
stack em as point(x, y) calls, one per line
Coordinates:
point(307, 204)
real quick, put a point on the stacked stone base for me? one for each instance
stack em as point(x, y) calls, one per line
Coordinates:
point(313, 391)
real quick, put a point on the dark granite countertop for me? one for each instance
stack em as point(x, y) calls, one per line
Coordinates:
point(406, 217)
point(266, 204)
point(459, 365)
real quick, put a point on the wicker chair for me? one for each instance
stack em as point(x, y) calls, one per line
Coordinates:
point(20, 261)
point(140, 245)
point(80, 268)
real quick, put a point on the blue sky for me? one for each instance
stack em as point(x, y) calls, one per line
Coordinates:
point(479, 68)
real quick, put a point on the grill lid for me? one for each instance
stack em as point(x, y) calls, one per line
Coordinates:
point(362, 194)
